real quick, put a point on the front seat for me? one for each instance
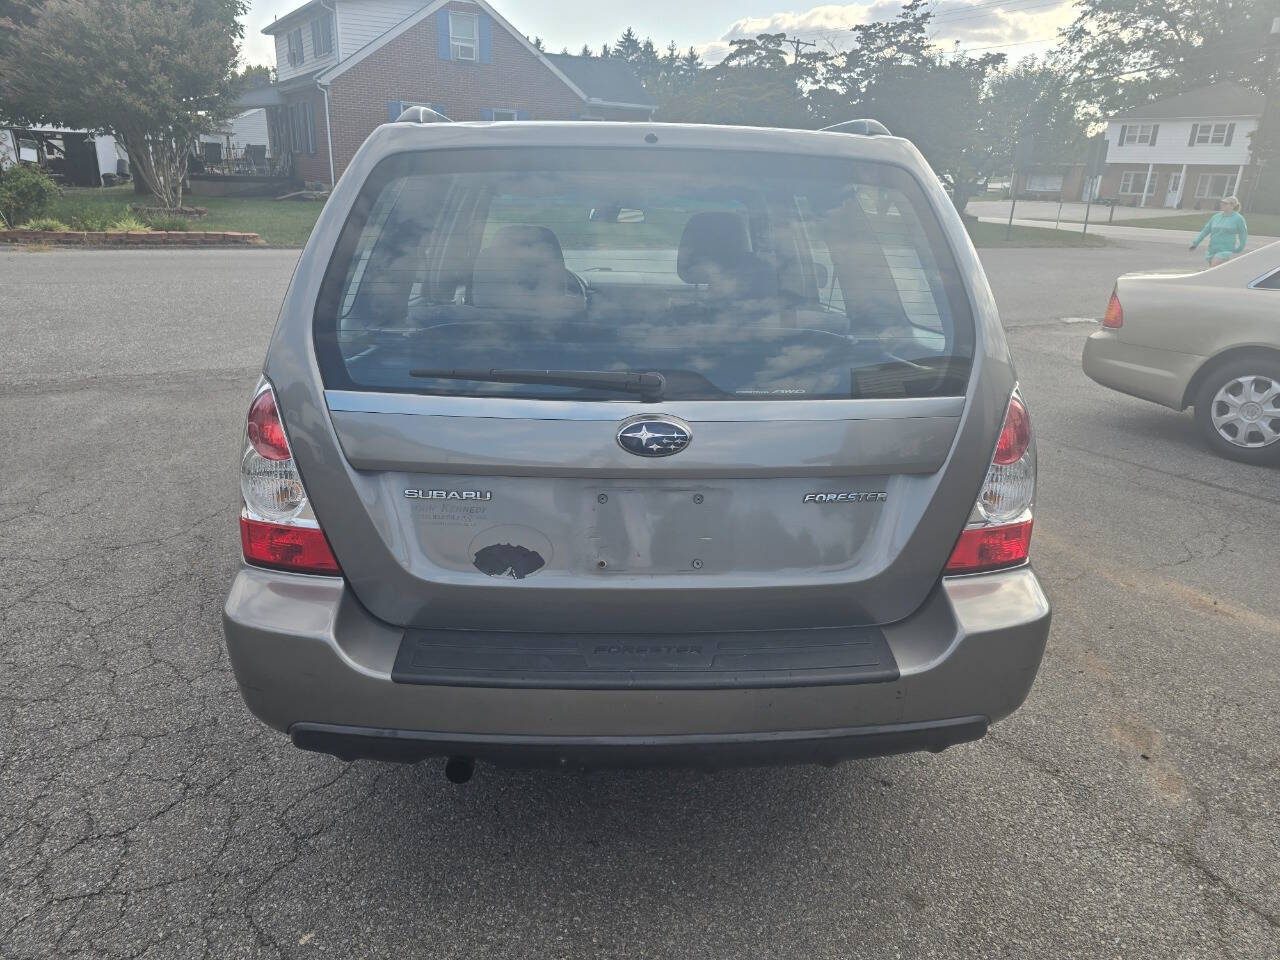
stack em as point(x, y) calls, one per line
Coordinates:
point(522, 270)
point(715, 250)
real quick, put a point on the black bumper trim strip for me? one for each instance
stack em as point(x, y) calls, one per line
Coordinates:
point(777, 658)
point(704, 751)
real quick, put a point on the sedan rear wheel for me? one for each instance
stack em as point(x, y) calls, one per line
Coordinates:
point(1238, 410)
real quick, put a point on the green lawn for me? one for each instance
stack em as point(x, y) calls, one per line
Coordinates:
point(1263, 224)
point(288, 223)
point(993, 235)
point(280, 223)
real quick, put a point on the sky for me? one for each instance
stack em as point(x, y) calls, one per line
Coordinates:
point(1014, 27)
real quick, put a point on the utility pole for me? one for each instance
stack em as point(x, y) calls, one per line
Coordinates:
point(797, 43)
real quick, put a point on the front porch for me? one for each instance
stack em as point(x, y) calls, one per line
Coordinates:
point(1171, 186)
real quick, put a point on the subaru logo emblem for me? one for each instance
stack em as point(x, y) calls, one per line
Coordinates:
point(654, 436)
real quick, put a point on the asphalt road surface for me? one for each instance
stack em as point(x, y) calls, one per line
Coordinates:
point(1130, 809)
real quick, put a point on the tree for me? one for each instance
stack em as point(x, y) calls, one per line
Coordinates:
point(1035, 101)
point(754, 85)
point(154, 73)
point(254, 76)
point(691, 63)
point(586, 52)
point(1131, 51)
point(14, 14)
point(940, 105)
point(1264, 143)
point(628, 46)
point(878, 47)
point(895, 74)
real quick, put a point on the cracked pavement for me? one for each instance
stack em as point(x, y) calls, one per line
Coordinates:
point(1130, 809)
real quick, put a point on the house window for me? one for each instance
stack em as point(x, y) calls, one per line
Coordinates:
point(322, 36)
point(504, 114)
point(294, 39)
point(1215, 185)
point(302, 127)
point(463, 36)
point(1134, 181)
point(1138, 133)
point(1044, 183)
point(1211, 133)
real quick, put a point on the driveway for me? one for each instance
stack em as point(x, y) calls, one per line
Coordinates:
point(1130, 809)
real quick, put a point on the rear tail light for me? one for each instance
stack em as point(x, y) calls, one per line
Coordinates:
point(286, 546)
point(1114, 317)
point(998, 533)
point(277, 526)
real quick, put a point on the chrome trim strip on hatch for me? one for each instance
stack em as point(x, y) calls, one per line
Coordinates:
point(739, 411)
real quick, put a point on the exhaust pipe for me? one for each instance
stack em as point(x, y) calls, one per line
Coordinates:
point(459, 769)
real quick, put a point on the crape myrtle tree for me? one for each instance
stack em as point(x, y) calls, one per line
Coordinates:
point(153, 73)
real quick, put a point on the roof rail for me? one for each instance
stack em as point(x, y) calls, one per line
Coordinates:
point(865, 128)
point(422, 115)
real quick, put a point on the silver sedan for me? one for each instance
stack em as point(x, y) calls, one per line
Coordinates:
point(1209, 340)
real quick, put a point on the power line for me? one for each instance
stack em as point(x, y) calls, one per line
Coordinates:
point(1190, 58)
point(1016, 43)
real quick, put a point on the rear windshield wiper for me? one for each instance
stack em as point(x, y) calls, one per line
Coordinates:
point(649, 386)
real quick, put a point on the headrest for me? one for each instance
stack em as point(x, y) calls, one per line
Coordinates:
point(527, 240)
point(521, 268)
point(713, 244)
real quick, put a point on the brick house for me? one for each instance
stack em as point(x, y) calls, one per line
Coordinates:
point(1186, 151)
point(345, 66)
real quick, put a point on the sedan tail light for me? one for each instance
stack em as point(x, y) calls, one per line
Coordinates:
point(1114, 317)
point(277, 526)
point(998, 533)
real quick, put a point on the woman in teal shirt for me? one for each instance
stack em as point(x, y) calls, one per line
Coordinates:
point(1227, 233)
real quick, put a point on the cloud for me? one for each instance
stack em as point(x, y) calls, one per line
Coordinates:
point(1017, 26)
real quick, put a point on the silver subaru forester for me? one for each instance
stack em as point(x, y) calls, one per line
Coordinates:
point(594, 444)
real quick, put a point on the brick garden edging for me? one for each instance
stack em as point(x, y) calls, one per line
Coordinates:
point(121, 238)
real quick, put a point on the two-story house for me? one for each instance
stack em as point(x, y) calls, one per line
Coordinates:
point(1188, 151)
point(345, 66)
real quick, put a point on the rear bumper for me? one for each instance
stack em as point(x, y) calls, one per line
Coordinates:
point(312, 662)
point(1147, 373)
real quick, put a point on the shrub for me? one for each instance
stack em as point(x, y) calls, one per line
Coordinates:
point(26, 192)
point(168, 222)
point(44, 223)
point(132, 224)
point(87, 218)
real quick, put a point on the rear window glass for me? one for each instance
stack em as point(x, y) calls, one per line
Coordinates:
point(734, 276)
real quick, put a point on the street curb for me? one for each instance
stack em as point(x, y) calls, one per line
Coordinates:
point(132, 239)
